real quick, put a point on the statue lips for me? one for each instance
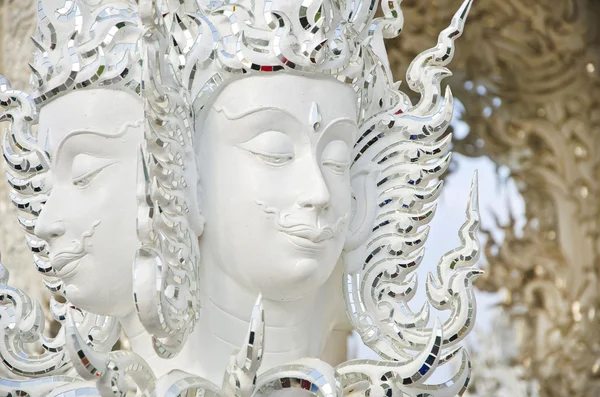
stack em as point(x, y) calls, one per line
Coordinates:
point(303, 230)
point(65, 263)
point(308, 237)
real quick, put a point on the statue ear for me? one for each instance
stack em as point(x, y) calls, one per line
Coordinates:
point(194, 195)
point(195, 216)
point(364, 186)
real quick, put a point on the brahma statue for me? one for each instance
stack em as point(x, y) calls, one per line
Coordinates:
point(237, 185)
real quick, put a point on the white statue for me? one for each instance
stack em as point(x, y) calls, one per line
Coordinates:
point(279, 149)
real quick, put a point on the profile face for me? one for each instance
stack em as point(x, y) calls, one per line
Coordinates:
point(273, 157)
point(89, 220)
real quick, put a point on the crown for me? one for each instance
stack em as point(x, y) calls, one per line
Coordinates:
point(217, 41)
point(85, 44)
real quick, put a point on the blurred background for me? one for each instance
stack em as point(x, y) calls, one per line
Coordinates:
point(526, 75)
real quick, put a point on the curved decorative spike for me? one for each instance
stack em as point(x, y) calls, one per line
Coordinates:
point(240, 375)
point(38, 76)
point(456, 386)
point(428, 66)
point(407, 200)
point(413, 152)
point(453, 290)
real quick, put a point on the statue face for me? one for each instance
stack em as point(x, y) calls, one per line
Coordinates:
point(89, 220)
point(273, 159)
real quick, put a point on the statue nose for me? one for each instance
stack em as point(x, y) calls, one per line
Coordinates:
point(51, 231)
point(316, 193)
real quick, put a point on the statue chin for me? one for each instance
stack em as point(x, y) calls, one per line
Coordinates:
point(303, 278)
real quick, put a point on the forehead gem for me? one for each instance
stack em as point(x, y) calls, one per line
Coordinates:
point(314, 118)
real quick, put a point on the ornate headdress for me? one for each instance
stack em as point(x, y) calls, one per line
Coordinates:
point(79, 45)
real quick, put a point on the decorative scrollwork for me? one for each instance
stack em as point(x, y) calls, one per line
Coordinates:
point(27, 352)
point(406, 145)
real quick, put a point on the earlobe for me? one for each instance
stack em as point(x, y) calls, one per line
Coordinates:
point(363, 182)
point(196, 218)
point(197, 222)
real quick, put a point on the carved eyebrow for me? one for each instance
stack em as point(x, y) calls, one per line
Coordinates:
point(78, 132)
point(236, 116)
point(232, 116)
point(341, 120)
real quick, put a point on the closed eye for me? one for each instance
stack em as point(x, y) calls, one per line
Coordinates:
point(271, 147)
point(336, 166)
point(336, 157)
point(85, 179)
point(274, 159)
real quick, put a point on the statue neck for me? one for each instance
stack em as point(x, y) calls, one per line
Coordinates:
point(228, 305)
point(294, 329)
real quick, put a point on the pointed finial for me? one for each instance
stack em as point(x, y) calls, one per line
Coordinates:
point(460, 17)
point(240, 375)
point(37, 44)
point(256, 335)
point(37, 75)
point(258, 310)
